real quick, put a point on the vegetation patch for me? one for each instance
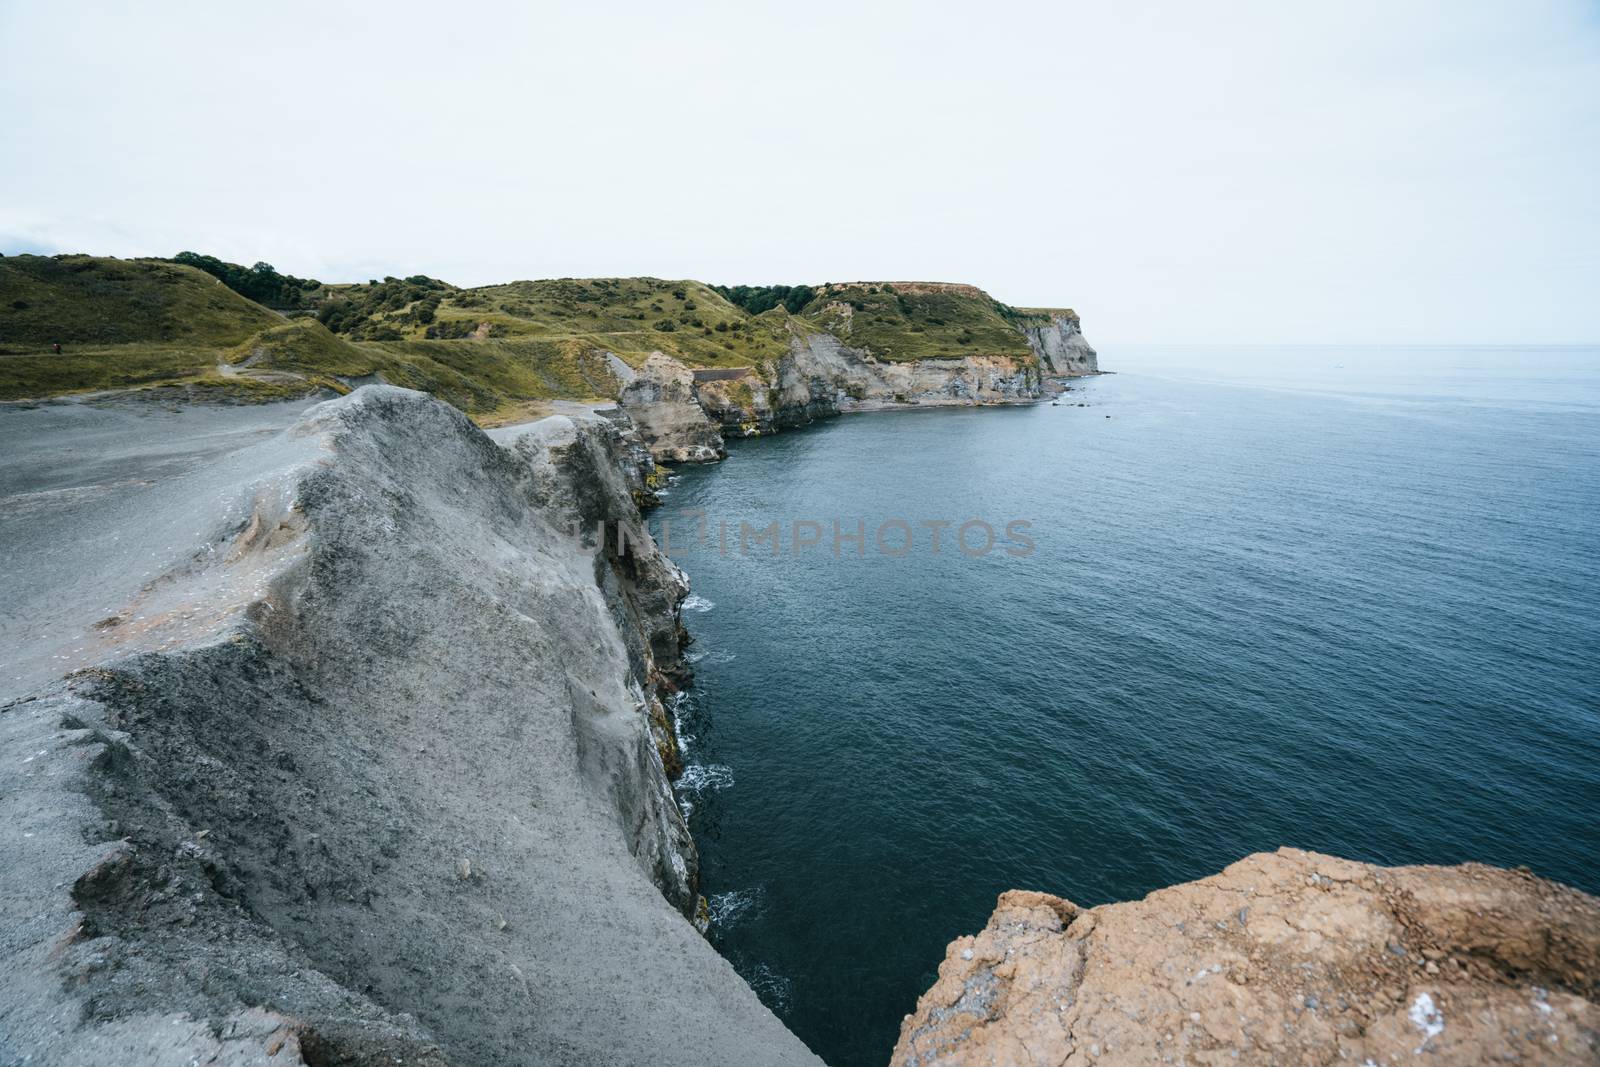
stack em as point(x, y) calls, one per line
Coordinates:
point(76, 300)
point(905, 322)
point(90, 368)
point(391, 310)
point(757, 299)
point(261, 282)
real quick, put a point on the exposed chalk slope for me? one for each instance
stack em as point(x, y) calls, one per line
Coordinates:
point(369, 772)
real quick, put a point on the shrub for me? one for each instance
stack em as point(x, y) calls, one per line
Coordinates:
point(757, 299)
point(260, 282)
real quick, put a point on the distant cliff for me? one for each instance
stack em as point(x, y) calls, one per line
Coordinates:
point(866, 347)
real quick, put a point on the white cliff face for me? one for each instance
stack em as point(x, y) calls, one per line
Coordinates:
point(1061, 346)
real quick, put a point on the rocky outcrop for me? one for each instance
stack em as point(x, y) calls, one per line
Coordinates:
point(660, 399)
point(1060, 345)
point(1291, 957)
point(369, 766)
point(820, 370)
point(740, 401)
point(821, 377)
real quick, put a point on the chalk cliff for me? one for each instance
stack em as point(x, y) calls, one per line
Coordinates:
point(1291, 957)
point(1059, 343)
point(681, 411)
point(368, 766)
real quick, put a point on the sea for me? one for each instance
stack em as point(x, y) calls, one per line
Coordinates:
point(1223, 600)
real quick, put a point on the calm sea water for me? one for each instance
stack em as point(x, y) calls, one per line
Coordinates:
point(1346, 600)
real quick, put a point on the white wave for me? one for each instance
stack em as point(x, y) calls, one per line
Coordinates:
point(705, 777)
point(696, 602)
point(728, 908)
point(676, 704)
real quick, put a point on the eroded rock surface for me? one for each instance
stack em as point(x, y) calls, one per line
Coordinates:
point(1061, 346)
point(821, 365)
point(660, 399)
point(823, 375)
point(1290, 957)
point(367, 765)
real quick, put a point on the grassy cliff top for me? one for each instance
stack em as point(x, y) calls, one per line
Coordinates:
point(46, 300)
point(631, 317)
point(489, 350)
point(127, 324)
point(918, 320)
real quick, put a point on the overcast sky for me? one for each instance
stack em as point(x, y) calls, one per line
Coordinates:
point(1338, 172)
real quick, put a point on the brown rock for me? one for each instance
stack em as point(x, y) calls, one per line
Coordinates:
point(1324, 971)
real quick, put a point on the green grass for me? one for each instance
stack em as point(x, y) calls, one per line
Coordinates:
point(121, 324)
point(492, 379)
point(75, 300)
point(302, 345)
point(483, 378)
point(631, 317)
point(917, 321)
point(94, 367)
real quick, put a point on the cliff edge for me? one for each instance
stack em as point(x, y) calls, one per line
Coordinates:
point(1290, 957)
point(361, 758)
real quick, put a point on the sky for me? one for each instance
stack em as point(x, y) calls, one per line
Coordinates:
point(1213, 173)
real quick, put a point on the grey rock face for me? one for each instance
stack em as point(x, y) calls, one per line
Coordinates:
point(1062, 347)
point(371, 770)
point(661, 401)
point(683, 414)
point(823, 373)
point(821, 377)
